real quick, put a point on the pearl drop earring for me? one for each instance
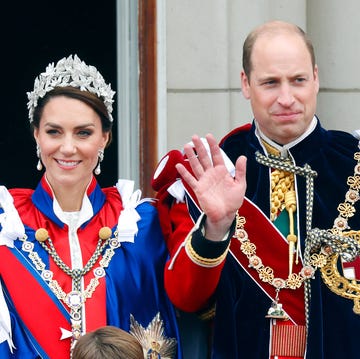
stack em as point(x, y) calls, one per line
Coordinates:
point(39, 165)
point(101, 157)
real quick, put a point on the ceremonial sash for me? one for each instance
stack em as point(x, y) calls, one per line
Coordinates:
point(32, 298)
point(271, 247)
point(273, 250)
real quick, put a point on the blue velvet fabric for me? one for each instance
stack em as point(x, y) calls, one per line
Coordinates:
point(134, 277)
point(240, 328)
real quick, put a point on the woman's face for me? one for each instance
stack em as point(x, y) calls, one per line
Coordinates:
point(70, 136)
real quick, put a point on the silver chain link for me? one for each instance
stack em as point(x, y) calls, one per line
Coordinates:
point(282, 163)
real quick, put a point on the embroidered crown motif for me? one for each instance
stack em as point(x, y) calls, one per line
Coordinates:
point(70, 71)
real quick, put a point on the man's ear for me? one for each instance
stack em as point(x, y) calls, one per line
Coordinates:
point(245, 85)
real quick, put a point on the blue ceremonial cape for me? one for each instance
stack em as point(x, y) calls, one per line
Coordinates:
point(240, 327)
point(133, 283)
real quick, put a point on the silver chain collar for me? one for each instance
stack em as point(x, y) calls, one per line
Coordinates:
point(77, 297)
point(282, 163)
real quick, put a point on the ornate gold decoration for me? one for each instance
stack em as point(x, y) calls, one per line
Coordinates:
point(281, 183)
point(280, 163)
point(283, 196)
point(202, 261)
point(344, 244)
point(338, 283)
point(266, 273)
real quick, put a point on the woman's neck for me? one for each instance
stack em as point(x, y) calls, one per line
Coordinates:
point(70, 198)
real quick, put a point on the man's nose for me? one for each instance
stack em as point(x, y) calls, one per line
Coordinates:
point(286, 96)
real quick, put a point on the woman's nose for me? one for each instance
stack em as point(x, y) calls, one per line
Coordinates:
point(68, 146)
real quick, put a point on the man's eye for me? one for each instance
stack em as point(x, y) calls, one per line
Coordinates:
point(270, 82)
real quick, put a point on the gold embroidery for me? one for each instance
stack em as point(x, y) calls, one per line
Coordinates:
point(329, 255)
point(266, 273)
point(202, 261)
point(283, 196)
point(340, 285)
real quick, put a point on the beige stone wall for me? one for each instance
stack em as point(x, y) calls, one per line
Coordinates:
point(335, 29)
point(202, 62)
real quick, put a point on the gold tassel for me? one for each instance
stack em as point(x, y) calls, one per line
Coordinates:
point(290, 205)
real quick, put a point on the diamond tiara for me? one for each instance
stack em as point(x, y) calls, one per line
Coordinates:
point(70, 71)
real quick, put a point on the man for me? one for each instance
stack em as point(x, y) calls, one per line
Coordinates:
point(269, 302)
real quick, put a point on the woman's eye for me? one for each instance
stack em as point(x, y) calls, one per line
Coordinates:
point(52, 132)
point(84, 133)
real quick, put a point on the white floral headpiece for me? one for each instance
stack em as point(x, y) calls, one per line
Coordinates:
point(72, 72)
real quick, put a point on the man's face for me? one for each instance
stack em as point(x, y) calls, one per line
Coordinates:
point(282, 87)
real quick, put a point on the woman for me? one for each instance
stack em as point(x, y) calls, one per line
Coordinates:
point(75, 257)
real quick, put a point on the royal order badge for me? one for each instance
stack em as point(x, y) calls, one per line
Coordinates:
point(347, 283)
point(155, 344)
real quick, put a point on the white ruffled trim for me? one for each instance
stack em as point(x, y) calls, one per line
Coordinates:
point(127, 223)
point(5, 322)
point(12, 226)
